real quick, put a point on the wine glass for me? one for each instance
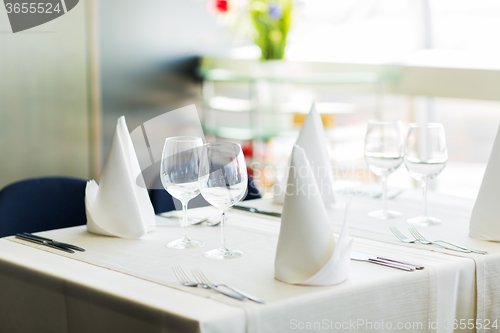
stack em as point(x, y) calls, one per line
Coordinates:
point(383, 153)
point(223, 183)
point(179, 171)
point(425, 157)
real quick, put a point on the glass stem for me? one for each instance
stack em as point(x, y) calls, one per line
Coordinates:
point(384, 193)
point(184, 221)
point(424, 191)
point(222, 237)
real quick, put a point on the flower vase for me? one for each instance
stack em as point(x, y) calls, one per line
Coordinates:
point(272, 91)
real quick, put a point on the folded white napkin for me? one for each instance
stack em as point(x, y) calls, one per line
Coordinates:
point(307, 253)
point(312, 139)
point(120, 204)
point(484, 222)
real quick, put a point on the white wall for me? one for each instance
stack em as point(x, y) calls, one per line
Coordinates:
point(45, 112)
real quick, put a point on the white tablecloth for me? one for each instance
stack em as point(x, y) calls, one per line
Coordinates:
point(138, 283)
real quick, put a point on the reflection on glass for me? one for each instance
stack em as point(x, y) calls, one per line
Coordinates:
point(223, 183)
point(383, 153)
point(425, 157)
point(179, 173)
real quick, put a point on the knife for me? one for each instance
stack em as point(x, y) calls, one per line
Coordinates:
point(417, 266)
point(242, 293)
point(257, 211)
point(358, 256)
point(42, 242)
point(53, 242)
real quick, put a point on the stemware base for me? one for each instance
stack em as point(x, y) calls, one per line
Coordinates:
point(222, 254)
point(181, 244)
point(382, 214)
point(424, 221)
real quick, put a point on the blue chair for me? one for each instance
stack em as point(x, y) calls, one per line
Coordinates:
point(163, 202)
point(40, 204)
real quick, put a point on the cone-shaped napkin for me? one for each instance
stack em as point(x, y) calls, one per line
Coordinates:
point(307, 252)
point(484, 223)
point(312, 139)
point(119, 205)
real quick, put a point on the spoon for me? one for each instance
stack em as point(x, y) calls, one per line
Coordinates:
point(379, 195)
point(210, 224)
point(197, 221)
point(192, 220)
point(214, 224)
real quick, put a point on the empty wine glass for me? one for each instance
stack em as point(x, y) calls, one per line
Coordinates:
point(223, 183)
point(179, 171)
point(425, 157)
point(383, 153)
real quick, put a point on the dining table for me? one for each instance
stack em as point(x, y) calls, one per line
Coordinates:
point(128, 285)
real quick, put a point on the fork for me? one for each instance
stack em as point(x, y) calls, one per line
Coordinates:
point(183, 277)
point(198, 274)
point(422, 240)
point(414, 232)
point(199, 277)
point(400, 236)
point(425, 241)
point(419, 238)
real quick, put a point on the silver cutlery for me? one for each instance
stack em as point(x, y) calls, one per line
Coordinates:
point(54, 242)
point(184, 279)
point(376, 195)
point(414, 232)
point(358, 256)
point(399, 235)
point(193, 221)
point(424, 241)
point(196, 221)
point(207, 285)
point(409, 263)
point(43, 242)
point(257, 211)
point(204, 278)
point(405, 239)
point(219, 220)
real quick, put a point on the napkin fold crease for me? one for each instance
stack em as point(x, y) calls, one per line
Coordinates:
point(307, 252)
point(312, 139)
point(484, 222)
point(119, 205)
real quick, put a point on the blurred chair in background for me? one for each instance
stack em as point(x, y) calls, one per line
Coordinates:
point(163, 201)
point(39, 204)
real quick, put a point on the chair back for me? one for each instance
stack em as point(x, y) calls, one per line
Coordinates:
point(40, 204)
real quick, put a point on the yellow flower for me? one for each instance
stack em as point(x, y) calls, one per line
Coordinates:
point(275, 35)
point(258, 7)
